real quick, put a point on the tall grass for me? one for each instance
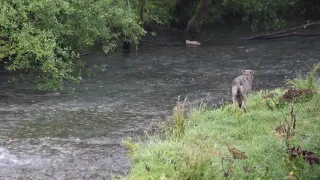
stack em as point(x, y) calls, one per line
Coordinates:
point(178, 119)
point(198, 146)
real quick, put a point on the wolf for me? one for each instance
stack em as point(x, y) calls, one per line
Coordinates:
point(241, 86)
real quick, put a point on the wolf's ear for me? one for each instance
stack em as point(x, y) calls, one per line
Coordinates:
point(243, 71)
point(252, 72)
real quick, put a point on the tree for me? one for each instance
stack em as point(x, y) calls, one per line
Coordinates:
point(42, 40)
point(194, 24)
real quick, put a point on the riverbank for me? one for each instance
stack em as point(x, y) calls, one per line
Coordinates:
point(220, 143)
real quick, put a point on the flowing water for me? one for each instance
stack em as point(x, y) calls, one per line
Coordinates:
point(77, 135)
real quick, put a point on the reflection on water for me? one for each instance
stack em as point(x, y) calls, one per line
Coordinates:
point(78, 135)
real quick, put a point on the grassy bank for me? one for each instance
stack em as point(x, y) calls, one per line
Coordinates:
point(223, 144)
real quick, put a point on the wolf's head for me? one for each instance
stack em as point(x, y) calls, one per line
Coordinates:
point(249, 73)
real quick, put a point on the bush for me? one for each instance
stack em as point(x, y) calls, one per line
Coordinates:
point(262, 15)
point(42, 39)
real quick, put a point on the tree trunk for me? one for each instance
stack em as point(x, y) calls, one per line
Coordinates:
point(194, 24)
point(142, 6)
point(181, 20)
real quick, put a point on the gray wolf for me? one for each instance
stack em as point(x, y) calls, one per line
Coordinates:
point(241, 86)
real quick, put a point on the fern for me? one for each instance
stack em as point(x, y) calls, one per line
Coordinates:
point(310, 82)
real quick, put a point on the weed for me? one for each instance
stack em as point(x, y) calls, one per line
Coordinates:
point(178, 119)
point(130, 145)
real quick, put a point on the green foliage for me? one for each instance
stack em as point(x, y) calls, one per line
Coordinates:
point(42, 39)
point(159, 11)
point(131, 146)
point(263, 15)
point(268, 15)
point(155, 12)
point(201, 152)
point(178, 120)
point(309, 82)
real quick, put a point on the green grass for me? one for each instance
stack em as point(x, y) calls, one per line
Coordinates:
point(200, 151)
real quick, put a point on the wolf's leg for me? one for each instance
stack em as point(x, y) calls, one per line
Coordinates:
point(244, 102)
point(239, 100)
point(234, 96)
point(234, 102)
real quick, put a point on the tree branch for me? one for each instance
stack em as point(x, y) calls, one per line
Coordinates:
point(285, 33)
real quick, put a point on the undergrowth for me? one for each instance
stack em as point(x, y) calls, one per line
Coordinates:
point(309, 82)
point(223, 144)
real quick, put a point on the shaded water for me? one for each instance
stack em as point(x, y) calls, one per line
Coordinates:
point(77, 135)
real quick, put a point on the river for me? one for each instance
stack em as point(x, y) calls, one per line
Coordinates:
point(77, 135)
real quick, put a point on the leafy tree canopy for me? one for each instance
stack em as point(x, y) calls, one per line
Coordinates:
point(42, 39)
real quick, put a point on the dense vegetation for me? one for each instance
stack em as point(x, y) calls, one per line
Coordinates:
point(278, 138)
point(42, 39)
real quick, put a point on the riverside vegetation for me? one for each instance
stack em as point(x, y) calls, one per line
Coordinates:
point(278, 138)
point(42, 40)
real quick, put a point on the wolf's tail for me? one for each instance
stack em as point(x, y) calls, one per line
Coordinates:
point(238, 97)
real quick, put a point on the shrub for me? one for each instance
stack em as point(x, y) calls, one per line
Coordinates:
point(42, 39)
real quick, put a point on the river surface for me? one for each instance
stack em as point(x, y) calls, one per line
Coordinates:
point(77, 135)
